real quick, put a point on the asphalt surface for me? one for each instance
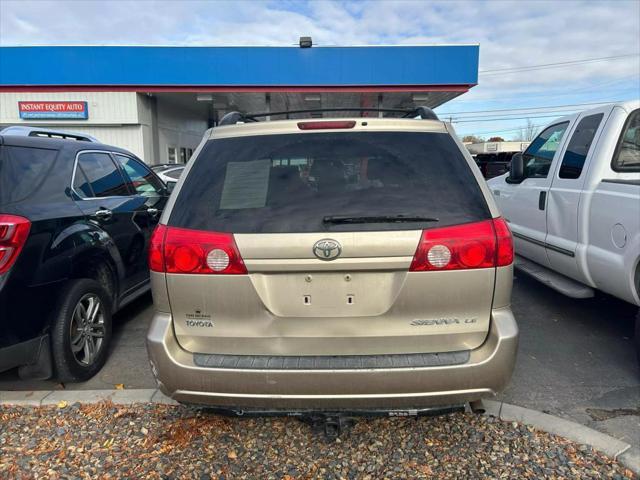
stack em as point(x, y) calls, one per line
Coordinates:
point(576, 359)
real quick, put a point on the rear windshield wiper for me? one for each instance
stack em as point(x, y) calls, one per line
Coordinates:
point(341, 219)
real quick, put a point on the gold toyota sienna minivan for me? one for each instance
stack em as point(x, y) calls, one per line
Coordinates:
point(331, 264)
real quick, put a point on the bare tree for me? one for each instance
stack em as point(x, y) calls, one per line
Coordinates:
point(529, 131)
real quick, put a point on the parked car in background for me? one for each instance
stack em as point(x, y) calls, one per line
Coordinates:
point(75, 222)
point(170, 175)
point(332, 264)
point(572, 200)
point(494, 158)
point(159, 167)
point(493, 164)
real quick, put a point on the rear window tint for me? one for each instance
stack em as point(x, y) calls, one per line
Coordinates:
point(290, 183)
point(22, 170)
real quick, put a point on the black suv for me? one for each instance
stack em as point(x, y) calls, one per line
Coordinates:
point(75, 221)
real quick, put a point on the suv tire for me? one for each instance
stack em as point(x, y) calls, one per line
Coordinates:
point(80, 332)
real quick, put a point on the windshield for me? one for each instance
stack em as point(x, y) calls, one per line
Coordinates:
point(291, 183)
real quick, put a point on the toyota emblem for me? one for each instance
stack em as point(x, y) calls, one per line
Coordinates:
point(327, 249)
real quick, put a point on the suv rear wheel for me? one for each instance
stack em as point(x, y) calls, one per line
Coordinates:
point(81, 330)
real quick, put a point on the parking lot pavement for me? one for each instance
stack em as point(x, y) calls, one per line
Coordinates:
point(576, 359)
point(127, 363)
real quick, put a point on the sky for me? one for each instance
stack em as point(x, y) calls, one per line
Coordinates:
point(513, 35)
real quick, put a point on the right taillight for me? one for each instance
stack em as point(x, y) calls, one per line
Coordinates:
point(14, 231)
point(504, 255)
point(483, 244)
point(181, 250)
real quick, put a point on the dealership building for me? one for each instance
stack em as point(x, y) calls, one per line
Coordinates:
point(158, 101)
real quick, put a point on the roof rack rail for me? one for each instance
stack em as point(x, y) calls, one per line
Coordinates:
point(232, 118)
point(25, 131)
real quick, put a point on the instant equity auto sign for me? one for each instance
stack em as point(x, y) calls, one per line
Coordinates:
point(53, 110)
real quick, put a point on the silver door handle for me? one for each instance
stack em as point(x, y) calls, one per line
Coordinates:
point(152, 211)
point(103, 214)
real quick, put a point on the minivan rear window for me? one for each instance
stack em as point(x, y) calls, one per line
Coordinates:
point(294, 182)
point(22, 170)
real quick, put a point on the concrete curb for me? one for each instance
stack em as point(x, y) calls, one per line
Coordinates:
point(626, 454)
point(40, 398)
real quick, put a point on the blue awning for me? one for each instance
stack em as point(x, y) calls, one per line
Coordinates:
point(378, 67)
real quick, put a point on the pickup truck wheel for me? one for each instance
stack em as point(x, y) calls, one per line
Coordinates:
point(81, 330)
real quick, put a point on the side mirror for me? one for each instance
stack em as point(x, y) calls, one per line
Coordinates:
point(516, 172)
point(170, 187)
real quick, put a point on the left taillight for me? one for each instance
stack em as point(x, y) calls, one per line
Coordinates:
point(14, 231)
point(180, 250)
point(156, 256)
point(483, 244)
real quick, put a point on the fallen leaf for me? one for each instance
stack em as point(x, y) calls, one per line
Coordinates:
point(232, 455)
point(119, 386)
point(62, 404)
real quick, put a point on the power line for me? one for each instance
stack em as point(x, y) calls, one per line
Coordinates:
point(543, 66)
point(510, 129)
point(503, 119)
point(573, 92)
point(529, 108)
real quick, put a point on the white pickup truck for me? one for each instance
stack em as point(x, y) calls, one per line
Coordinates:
point(572, 200)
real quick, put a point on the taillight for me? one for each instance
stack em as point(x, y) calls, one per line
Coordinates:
point(156, 256)
point(333, 124)
point(14, 231)
point(483, 244)
point(181, 250)
point(505, 242)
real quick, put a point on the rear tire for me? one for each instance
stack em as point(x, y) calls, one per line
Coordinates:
point(81, 331)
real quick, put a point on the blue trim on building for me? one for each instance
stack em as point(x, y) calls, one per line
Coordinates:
point(239, 66)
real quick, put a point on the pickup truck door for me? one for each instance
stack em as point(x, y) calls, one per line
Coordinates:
point(524, 204)
point(563, 202)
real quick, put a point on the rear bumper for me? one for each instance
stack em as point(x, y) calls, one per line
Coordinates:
point(486, 373)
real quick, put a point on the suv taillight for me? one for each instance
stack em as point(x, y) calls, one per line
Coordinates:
point(14, 231)
point(180, 250)
point(473, 245)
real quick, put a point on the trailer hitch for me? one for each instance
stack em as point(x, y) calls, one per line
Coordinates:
point(331, 424)
point(334, 423)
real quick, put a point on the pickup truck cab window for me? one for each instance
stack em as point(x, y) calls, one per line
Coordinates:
point(627, 155)
point(539, 156)
point(579, 145)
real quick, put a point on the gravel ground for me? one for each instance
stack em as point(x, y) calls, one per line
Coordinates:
point(162, 441)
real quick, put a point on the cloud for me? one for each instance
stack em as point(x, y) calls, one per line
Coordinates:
point(510, 34)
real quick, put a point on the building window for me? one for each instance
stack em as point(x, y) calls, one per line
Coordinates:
point(189, 153)
point(183, 155)
point(172, 154)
